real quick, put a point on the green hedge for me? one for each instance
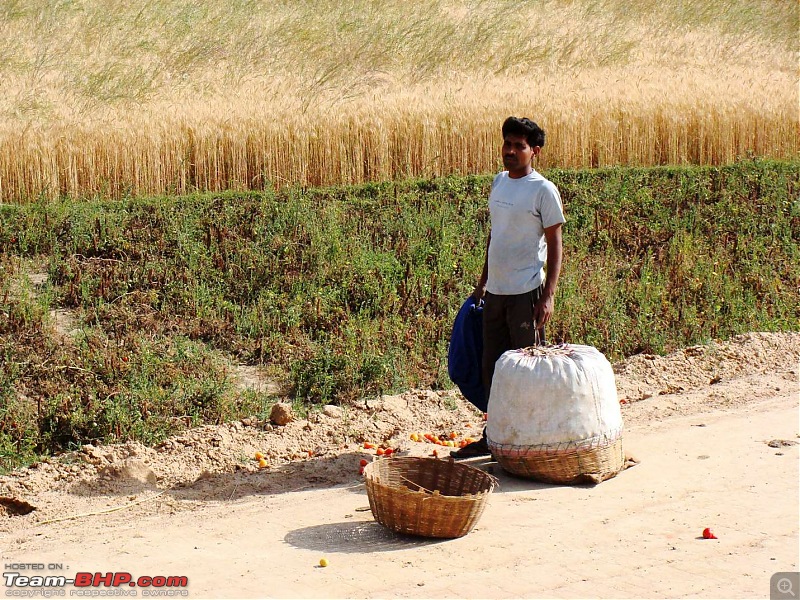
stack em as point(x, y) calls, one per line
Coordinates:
point(345, 292)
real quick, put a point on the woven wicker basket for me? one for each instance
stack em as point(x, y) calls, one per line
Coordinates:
point(426, 496)
point(574, 463)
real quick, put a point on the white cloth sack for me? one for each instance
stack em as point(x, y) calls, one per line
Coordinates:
point(553, 397)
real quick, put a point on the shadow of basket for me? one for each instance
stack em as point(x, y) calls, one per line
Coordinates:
point(363, 536)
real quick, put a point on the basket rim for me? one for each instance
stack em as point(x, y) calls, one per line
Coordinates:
point(493, 482)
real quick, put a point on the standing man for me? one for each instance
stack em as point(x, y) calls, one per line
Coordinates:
point(526, 219)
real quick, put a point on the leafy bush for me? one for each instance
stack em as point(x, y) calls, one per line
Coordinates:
point(343, 292)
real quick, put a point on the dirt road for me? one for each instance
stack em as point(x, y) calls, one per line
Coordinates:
point(722, 455)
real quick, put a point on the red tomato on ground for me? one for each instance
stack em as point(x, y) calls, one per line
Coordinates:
point(708, 534)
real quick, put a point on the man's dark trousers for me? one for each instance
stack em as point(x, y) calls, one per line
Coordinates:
point(507, 325)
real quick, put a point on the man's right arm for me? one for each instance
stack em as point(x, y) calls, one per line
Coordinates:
point(480, 289)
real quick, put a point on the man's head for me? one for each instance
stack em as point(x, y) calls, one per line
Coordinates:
point(522, 140)
point(526, 128)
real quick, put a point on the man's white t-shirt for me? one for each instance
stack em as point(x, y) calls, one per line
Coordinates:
point(520, 211)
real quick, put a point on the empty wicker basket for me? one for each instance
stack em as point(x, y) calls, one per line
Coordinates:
point(426, 496)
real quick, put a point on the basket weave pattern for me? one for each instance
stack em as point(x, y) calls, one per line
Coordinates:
point(593, 460)
point(426, 496)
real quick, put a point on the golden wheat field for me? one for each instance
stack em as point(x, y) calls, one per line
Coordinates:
point(112, 98)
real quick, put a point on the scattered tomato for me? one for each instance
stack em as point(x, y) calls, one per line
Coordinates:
point(388, 452)
point(361, 470)
point(364, 462)
point(259, 456)
point(323, 562)
point(262, 463)
point(368, 446)
point(708, 534)
point(435, 453)
point(379, 451)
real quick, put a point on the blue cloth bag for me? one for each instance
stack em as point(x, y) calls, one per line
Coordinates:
point(465, 353)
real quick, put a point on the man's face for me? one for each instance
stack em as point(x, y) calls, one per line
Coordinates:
point(517, 154)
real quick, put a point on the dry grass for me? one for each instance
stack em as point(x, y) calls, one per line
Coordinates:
point(169, 96)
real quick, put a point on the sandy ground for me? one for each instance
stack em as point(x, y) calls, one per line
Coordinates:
point(716, 429)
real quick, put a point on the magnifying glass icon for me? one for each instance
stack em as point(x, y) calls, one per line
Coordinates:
point(785, 587)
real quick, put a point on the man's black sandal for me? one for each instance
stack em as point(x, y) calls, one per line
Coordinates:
point(475, 449)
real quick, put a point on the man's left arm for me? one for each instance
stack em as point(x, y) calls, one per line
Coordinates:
point(544, 307)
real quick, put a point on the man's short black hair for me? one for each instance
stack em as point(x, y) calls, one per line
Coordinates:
point(525, 127)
